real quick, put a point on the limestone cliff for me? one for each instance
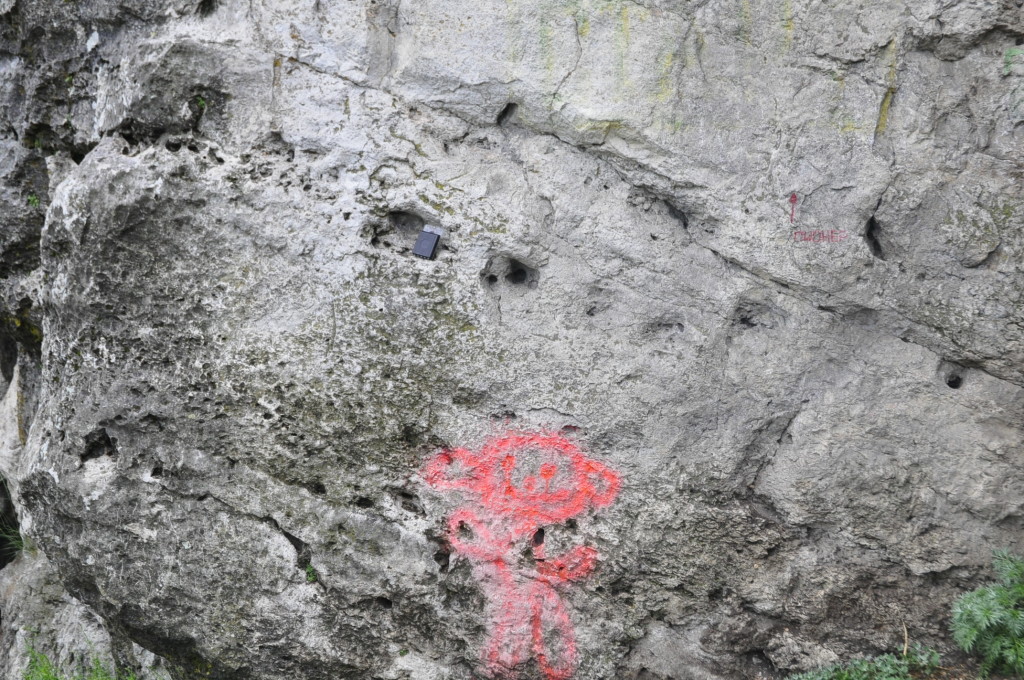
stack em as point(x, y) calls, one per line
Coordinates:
point(744, 276)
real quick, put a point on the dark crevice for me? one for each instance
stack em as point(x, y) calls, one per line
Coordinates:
point(871, 231)
point(403, 221)
point(443, 559)
point(409, 502)
point(517, 274)
point(303, 554)
point(8, 356)
point(678, 215)
point(98, 443)
point(207, 7)
point(506, 113)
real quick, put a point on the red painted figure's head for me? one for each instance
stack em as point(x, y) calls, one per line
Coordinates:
point(532, 479)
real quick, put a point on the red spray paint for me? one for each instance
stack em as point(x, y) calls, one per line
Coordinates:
point(514, 486)
point(792, 207)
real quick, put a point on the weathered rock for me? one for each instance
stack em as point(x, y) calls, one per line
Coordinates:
point(231, 368)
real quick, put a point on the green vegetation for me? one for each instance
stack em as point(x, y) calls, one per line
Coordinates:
point(33, 201)
point(989, 621)
point(311, 575)
point(41, 668)
point(201, 103)
point(12, 542)
point(912, 663)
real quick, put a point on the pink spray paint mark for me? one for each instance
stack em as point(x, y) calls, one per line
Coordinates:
point(792, 207)
point(517, 484)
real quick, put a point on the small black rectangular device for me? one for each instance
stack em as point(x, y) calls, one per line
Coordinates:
point(426, 245)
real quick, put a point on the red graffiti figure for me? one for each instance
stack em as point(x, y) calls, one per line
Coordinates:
point(517, 484)
point(792, 209)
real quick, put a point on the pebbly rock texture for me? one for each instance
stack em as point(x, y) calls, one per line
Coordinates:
point(760, 258)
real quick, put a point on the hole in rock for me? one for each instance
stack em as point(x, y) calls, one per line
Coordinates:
point(955, 381)
point(364, 502)
point(517, 275)
point(157, 471)
point(677, 214)
point(507, 113)
point(384, 602)
point(871, 231)
point(521, 275)
point(207, 7)
point(403, 221)
point(443, 559)
point(538, 538)
point(172, 145)
point(318, 488)
point(98, 444)
point(491, 279)
point(409, 502)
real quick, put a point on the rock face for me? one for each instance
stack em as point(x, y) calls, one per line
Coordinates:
point(761, 259)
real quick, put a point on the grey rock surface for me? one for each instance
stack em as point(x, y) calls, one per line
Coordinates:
point(224, 369)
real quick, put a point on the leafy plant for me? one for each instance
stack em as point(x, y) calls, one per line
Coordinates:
point(311, 575)
point(41, 668)
point(989, 621)
point(33, 201)
point(905, 666)
point(201, 103)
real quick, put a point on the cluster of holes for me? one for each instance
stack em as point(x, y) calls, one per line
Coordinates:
point(510, 271)
point(174, 145)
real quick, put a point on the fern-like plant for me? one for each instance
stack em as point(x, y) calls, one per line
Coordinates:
point(989, 621)
point(916, 662)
